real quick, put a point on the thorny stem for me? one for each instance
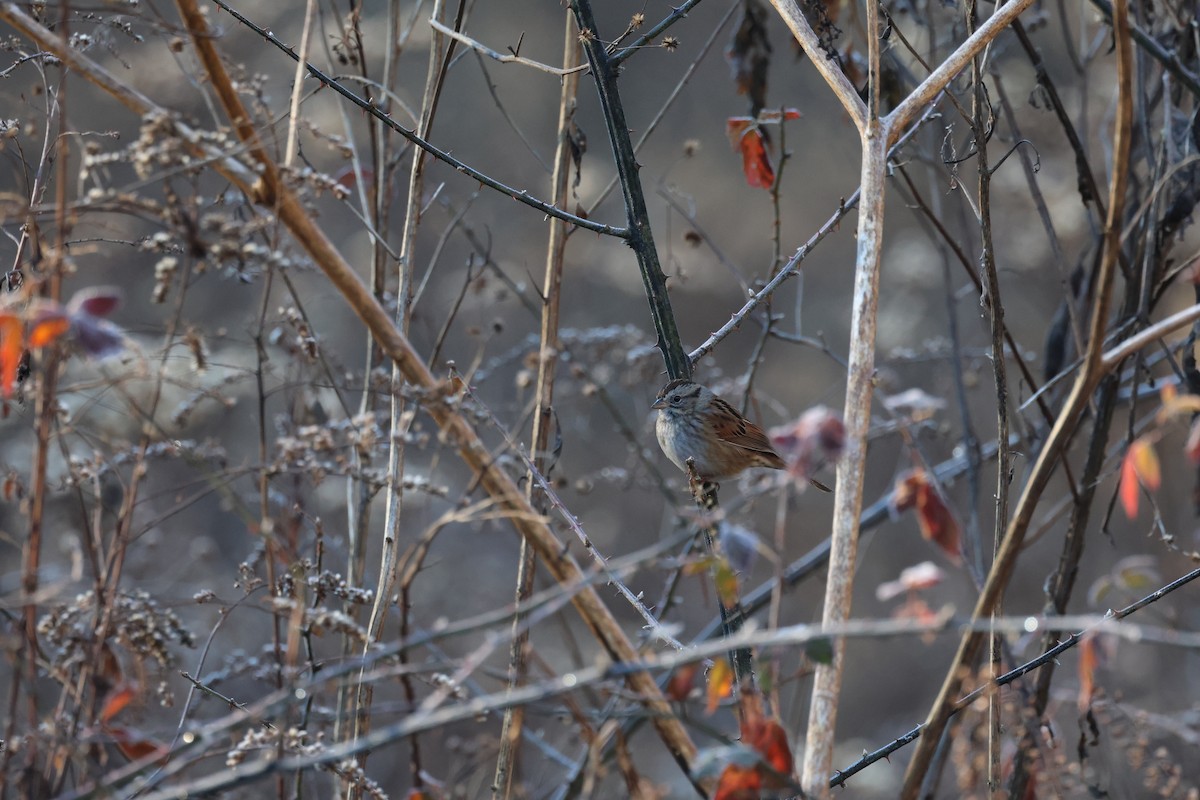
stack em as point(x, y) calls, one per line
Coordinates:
point(639, 234)
point(732, 617)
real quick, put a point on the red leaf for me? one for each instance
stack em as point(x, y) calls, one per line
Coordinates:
point(739, 783)
point(770, 739)
point(938, 523)
point(682, 682)
point(133, 745)
point(12, 346)
point(95, 301)
point(749, 140)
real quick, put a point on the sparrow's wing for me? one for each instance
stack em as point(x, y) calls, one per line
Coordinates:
point(732, 427)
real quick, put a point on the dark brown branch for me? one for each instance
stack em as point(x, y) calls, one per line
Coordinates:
point(638, 234)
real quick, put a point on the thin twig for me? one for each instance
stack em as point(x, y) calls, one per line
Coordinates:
point(792, 266)
point(520, 195)
point(842, 775)
point(1093, 369)
point(482, 49)
point(543, 416)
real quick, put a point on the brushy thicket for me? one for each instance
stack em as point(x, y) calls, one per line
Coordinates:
point(262, 536)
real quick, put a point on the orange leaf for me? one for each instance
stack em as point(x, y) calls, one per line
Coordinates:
point(736, 127)
point(46, 330)
point(1138, 468)
point(739, 783)
point(1129, 486)
point(768, 740)
point(1146, 464)
point(12, 345)
point(1089, 659)
point(116, 701)
point(720, 685)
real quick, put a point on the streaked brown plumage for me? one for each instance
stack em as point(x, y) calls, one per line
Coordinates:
point(695, 423)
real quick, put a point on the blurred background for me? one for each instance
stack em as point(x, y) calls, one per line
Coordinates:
point(240, 358)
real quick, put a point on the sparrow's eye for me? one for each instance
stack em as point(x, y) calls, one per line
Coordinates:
point(676, 399)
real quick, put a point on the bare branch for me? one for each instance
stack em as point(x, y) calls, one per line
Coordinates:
point(483, 49)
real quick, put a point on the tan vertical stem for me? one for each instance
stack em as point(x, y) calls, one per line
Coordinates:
point(514, 717)
point(293, 137)
point(400, 419)
point(827, 682)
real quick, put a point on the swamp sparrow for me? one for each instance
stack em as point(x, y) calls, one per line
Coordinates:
point(695, 423)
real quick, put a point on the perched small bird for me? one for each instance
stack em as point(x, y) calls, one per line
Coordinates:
point(695, 423)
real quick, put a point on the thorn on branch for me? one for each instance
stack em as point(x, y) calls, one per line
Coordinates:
point(517, 52)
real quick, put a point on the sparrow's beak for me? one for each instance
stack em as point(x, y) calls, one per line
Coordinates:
point(659, 403)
